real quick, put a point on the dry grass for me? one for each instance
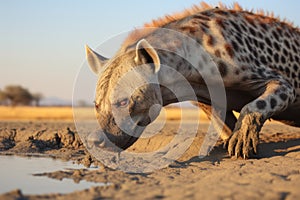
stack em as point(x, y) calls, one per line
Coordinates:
point(66, 113)
point(35, 113)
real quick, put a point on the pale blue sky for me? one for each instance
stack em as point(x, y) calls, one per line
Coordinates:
point(42, 42)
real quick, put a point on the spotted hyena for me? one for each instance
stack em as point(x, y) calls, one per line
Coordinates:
point(256, 55)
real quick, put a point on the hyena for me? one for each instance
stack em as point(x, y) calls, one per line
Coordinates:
point(256, 56)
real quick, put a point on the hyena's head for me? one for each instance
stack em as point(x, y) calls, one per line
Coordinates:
point(128, 95)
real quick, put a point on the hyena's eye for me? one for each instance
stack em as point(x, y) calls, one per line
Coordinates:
point(96, 105)
point(122, 103)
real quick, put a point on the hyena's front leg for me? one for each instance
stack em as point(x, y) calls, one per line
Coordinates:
point(224, 128)
point(276, 98)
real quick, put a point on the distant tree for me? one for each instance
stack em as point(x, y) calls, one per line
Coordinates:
point(3, 98)
point(82, 103)
point(37, 98)
point(18, 95)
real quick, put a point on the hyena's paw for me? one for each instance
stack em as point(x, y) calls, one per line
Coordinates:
point(245, 138)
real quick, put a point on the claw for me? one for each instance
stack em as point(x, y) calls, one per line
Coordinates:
point(230, 150)
point(255, 149)
point(226, 144)
point(231, 144)
point(236, 155)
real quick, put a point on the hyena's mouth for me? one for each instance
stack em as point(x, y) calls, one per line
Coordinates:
point(109, 142)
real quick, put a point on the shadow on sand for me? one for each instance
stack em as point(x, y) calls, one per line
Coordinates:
point(266, 150)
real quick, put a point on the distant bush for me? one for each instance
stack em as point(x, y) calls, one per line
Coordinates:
point(15, 95)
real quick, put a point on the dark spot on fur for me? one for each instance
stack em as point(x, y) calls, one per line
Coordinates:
point(283, 96)
point(287, 70)
point(276, 45)
point(275, 35)
point(244, 68)
point(263, 60)
point(295, 67)
point(203, 24)
point(222, 68)
point(255, 54)
point(219, 21)
point(243, 27)
point(256, 61)
point(295, 84)
point(273, 103)
point(287, 33)
point(261, 46)
point(296, 42)
point(261, 104)
point(259, 35)
point(285, 52)
point(249, 45)
point(239, 38)
point(218, 53)
point(270, 51)
point(229, 50)
point(268, 41)
point(254, 41)
point(287, 44)
point(210, 40)
point(252, 31)
point(235, 46)
point(291, 57)
point(247, 60)
point(269, 59)
point(283, 60)
point(281, 68)
point(276, 57)
point(294, 48)
point(237, 72)
point(179, 64)
point(236, 26)
point(264, 26)
point(279, 31)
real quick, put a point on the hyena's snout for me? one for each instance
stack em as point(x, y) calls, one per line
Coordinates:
point(99, 139)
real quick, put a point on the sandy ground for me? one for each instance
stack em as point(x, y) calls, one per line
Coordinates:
point(273, 174)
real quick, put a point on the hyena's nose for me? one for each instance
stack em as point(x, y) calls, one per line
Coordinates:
point(99, 139)
point(96, 139)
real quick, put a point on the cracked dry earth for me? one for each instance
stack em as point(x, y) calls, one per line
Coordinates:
point(273, 174)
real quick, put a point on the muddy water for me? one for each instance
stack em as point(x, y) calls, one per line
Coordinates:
point(17, 173)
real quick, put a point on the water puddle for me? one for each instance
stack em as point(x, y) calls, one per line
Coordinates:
point(17, 173)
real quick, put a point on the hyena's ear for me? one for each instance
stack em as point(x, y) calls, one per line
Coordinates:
point(143, 48)
point(96, 61)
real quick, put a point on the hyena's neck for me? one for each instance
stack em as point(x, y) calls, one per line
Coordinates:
point(184, 63)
